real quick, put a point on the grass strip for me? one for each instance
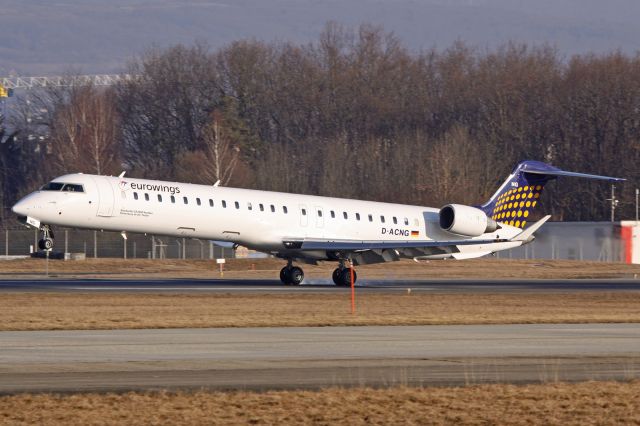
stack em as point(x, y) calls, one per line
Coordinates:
point(588, 403)
point(68, 311)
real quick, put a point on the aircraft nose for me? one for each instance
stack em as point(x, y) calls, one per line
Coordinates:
point(21, 208)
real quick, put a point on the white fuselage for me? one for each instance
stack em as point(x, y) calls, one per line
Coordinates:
point(260, 220)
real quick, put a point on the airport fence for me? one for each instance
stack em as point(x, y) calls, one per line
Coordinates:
point(21, 242)
point(595, 241)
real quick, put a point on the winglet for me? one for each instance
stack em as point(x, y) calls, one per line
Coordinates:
point(528, 233)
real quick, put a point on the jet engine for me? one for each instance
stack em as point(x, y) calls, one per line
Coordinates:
point(466, 220)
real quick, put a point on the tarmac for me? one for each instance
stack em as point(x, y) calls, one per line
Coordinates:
point(315, 357)
point(55, 284)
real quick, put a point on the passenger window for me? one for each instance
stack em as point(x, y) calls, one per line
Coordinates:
point(395, 220)
point(249, 206)
point(186, 201)
point(237, 205)
point(381, 219)
point(319, 213)
point(284, 209)
point(146, 197)
point(273, 208)
point(261, 207)
point(346, 216)
point(159, 198)
point(370, 218)
point(406, 221)
point(333, 214)
point(357, 216)
point(173, 199)
point(210, 202)
point(224, 204)
point(198, 201)
point(304, 212)
point(135, 195)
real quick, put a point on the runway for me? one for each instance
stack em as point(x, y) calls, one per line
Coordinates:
point(269, 286)
point(314, 357)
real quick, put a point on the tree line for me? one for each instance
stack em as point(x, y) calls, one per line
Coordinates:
point(354, 114)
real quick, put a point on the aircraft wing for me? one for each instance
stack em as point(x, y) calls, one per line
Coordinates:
point(366, 252)
point(355, 245)
point(386, 251)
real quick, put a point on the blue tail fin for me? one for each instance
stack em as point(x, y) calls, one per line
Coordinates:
point(517, 197)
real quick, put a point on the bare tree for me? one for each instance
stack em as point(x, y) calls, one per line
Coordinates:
point(218, 157)
point(84, 133)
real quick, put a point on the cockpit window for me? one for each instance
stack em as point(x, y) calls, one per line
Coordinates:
point(52, 186)
point(72, 187)
point(59, 186)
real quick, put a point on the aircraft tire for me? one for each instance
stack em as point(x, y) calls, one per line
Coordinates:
point(45, 244)
point(336, 276)
point(296, 276)
point(284, 275)
point(345, 277)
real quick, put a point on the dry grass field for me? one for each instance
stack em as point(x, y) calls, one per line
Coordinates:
point(58, 311)
point(269, 269)
point(55, 311)
point(589, 403)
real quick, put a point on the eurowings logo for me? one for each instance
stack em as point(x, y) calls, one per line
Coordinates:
point(123, 185)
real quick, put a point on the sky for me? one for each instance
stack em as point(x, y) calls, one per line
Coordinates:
point(52, 37)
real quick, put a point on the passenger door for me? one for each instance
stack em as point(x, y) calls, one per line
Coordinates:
point(105, 196)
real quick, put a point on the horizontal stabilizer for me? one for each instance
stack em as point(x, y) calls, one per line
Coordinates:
point(573, 174)
point(528, 233)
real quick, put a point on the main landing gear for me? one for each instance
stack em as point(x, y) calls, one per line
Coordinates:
point(342, 275)
point(46, 242)
point(293, 275)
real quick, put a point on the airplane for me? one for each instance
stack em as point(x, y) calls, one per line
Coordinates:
point(295, 227)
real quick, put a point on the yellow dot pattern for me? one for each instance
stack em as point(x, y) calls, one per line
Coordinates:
point(516, 204)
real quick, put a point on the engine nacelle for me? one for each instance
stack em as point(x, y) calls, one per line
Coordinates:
point(466, 220)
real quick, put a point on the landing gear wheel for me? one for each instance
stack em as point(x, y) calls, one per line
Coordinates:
point(296, 276)
point(284, 275)
point(291, 275)
point(45, 244)
point(336, 276)
point(345, 277)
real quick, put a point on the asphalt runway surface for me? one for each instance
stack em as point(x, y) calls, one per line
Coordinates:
point(315, 357)
point(268, 286)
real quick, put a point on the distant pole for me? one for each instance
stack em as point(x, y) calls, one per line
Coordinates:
point(637, 193)
point(613, 202)
point(353, 291)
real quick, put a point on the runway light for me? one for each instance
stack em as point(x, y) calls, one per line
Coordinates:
point(408, 291)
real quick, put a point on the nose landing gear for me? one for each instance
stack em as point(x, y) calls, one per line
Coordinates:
point(46, 242)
